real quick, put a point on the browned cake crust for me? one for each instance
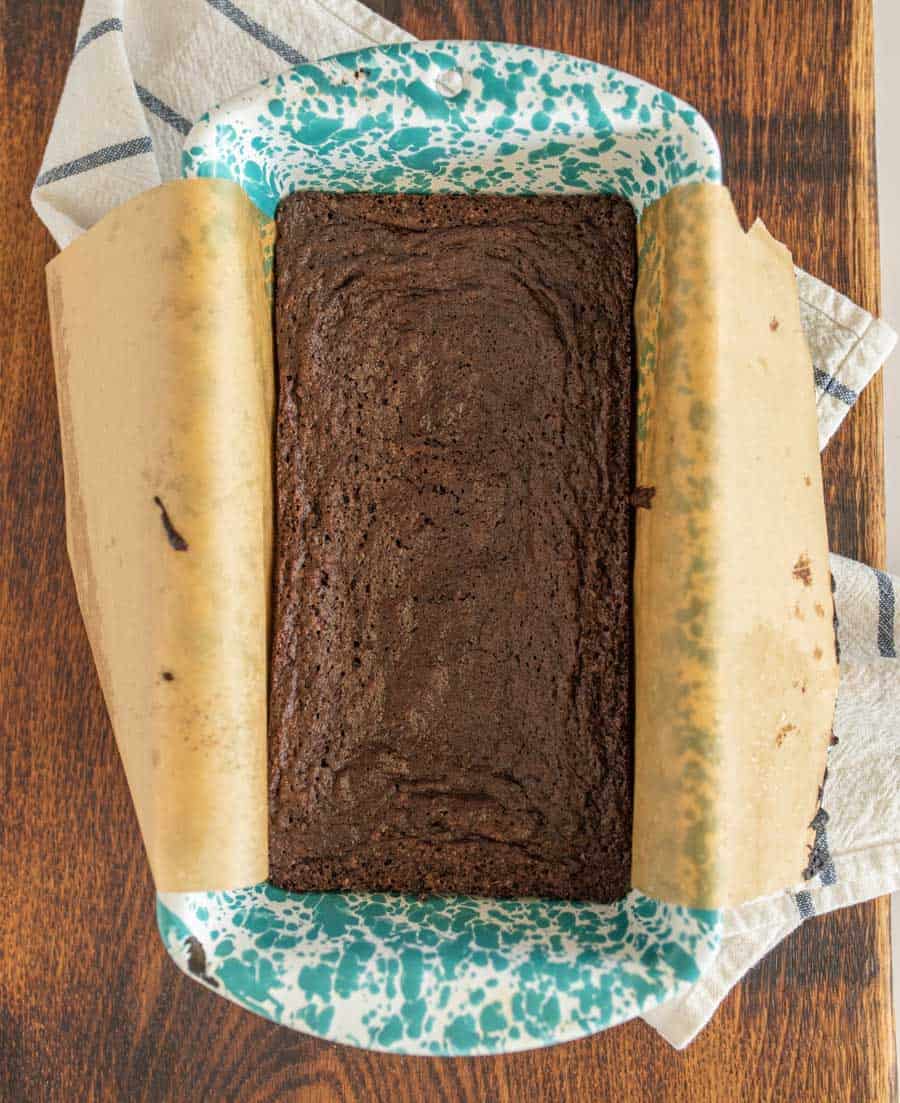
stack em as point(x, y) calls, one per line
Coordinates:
point(451, 698)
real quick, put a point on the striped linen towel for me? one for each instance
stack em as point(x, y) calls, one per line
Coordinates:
point(142, 70)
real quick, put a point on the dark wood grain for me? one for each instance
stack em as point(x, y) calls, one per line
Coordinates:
point(90, 1008)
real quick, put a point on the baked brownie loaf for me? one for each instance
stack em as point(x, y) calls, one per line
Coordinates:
point(451, 694)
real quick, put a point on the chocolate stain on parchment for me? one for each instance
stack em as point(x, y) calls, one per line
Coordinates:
point(783, 732)
point(174, 537)
point(802, 571)
point(642, 496)
point(820, 862)
point(196, 961)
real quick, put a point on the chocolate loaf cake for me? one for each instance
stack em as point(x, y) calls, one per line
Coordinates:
point(451, 693)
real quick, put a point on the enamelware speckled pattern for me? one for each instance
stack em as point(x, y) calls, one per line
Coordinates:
point(445, 975)
point(437, 975)
point(454, 117)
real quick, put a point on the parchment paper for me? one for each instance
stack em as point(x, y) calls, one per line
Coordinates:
point(736, 673)
point(162, 344)
point(163, 347)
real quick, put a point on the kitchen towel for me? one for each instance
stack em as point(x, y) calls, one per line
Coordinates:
point(142, 70)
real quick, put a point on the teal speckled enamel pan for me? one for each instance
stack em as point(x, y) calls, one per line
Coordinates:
point(445, 975)
point(454, 117)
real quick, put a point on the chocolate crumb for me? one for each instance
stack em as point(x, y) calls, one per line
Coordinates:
point(642, 496)
point(773, 325)
point(819, 857)
point(168, 676)
point(174, 537)
point(196, 962)
point(833, 742)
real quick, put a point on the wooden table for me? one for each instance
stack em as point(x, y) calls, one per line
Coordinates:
point(90, 1007)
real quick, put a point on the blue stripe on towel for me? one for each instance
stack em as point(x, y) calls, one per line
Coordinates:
point(258, 31)
point(886, 606)
point(93, 160)
point(97, 31)
point(805, 905)
point(162, 110)
point(827, 384)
